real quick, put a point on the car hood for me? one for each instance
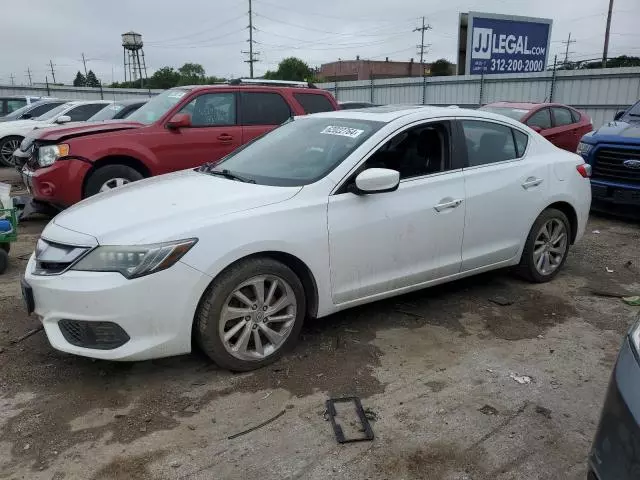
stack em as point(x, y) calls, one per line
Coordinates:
point(20, 126)
point(616, 132)
point(165, 208)
point(77, 129)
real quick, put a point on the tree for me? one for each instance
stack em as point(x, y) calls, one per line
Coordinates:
point(191, 74)
point(291, 68)
point(92, 80)
point(165, 77)
point(79, 81)
point(441, 68)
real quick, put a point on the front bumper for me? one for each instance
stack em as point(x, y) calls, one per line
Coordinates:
point(615, 454)
point(156, 311)
point(59, 184)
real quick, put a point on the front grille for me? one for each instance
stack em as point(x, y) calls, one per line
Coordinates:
point(609, 165)
point(96, 335)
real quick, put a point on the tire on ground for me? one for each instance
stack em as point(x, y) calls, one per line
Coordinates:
point(206, 323)
point(109, 172)
point(4, 260)
point(527, 269)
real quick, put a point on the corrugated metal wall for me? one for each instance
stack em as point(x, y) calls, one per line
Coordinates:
point(599, 93)
point(77, 93)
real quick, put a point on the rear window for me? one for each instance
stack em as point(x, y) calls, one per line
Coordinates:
point(515, 113)
point(263, 108)
point(314, 103)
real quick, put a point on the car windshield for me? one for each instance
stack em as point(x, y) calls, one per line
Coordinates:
point(18, 113)
point(511, 112)
point(633, 114)
point(298, 152)
point(52, 113)
point(158, 106)
point(107, 113)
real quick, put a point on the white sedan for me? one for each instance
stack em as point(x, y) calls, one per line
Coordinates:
point(12, 133)
point(326, 212)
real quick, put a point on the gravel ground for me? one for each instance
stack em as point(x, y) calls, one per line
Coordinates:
point(433, 369)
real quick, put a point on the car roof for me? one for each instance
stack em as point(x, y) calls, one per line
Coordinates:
point(525, 105)
point(131, 101)
point(261, 87)
point(85, 102)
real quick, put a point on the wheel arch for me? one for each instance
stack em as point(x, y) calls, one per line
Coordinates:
point(572, 215)
point(126, 160)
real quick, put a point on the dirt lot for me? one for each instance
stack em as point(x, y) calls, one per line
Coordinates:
point(433, 368)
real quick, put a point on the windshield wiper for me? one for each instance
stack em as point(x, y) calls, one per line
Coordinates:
point(208, 168)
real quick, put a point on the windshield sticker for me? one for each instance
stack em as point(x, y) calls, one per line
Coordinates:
point(342, 131)
point(115, 108)
point(176, 94)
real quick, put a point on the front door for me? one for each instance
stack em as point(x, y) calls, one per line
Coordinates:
point(505, 191)
point(388, 241)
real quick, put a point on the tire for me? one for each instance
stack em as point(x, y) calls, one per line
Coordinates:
point(4, 260)
point(529, 263)
point(209, 327)
point(115, 174)
point(5, 246)
point(6, 149)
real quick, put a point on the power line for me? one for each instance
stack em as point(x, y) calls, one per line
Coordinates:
point(252, 55)
point(422, 46)
point(567, 43)
point(195, 34)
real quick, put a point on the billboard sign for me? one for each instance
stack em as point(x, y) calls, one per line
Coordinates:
point(506, 43)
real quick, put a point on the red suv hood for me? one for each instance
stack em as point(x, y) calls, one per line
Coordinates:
point(55, 134)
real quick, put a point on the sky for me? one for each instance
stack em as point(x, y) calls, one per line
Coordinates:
point(213, 33)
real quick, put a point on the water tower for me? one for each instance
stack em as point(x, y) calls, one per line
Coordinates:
point(134, 57)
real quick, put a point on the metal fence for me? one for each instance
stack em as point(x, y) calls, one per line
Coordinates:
point(599, 93)
point(76, 93)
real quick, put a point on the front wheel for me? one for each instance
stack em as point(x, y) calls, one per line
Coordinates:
point(251, 315)
point(8, 145)
point(546, 248)
point(109, 177)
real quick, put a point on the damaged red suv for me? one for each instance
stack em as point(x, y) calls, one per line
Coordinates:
point(181, 128)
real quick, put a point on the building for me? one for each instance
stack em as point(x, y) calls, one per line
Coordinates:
point(366, 69)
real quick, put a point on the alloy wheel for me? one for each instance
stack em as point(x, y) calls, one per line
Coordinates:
point(550, 246)
point(257, 317)
point(6, 153)
point(113, 183)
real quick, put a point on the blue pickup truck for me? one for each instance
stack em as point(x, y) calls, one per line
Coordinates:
point(613, 151)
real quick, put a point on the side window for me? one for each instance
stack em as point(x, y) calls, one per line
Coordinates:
point(14, 104)
point(521, 140)
point(419, 151)
point(575, 115)
point(212, 109)
point(488, 142)
point(562, 116)
point(83, 112)
point(263, 108)
point(313, 102)
point(542, 119)
point(41, 109)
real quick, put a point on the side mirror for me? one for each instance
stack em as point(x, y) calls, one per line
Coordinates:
point(63, 119)
point(376, 180)
point(619, 115)
point(179, 120)
point(536, 128)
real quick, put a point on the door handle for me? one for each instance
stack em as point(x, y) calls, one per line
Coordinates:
point(225, 138)
point(446, 205)
point(531, 182)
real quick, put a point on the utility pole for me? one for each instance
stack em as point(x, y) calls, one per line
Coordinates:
point(422, 46)
point(252, 59)
point(29, 75)
point(606, 36)
point(566, 53)
point(84, 62)
point(12, 79)
point(53, 73)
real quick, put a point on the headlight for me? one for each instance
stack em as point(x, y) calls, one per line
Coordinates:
point(634, 336)
point(584, 149)
point(134, 261)
point(48, 154)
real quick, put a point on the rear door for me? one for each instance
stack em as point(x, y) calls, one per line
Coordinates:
point(261, 112)
point(505, 190)
point(566, 130)
point(541, 119)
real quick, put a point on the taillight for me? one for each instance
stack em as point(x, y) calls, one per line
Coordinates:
point(584, 170)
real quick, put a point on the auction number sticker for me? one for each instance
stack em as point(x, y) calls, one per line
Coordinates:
point(342, 131)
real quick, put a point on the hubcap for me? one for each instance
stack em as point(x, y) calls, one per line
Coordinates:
point(7, 150)
point(114, 183)
point(257, 317)
point(550, 246)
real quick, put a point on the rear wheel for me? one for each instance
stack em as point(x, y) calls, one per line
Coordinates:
point(8, 145)
point(4, 260)
point(251, 315)
point(109, 177)
point(546, 248)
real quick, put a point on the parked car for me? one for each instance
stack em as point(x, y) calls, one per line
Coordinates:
point(613, 151)
point(615, 454)
point(32, 110)
point(180, 128)
point(9, 104)
point(118, 110)
point(560, 124)
point(354, 105)
point(12, 133)
point(326, 212)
